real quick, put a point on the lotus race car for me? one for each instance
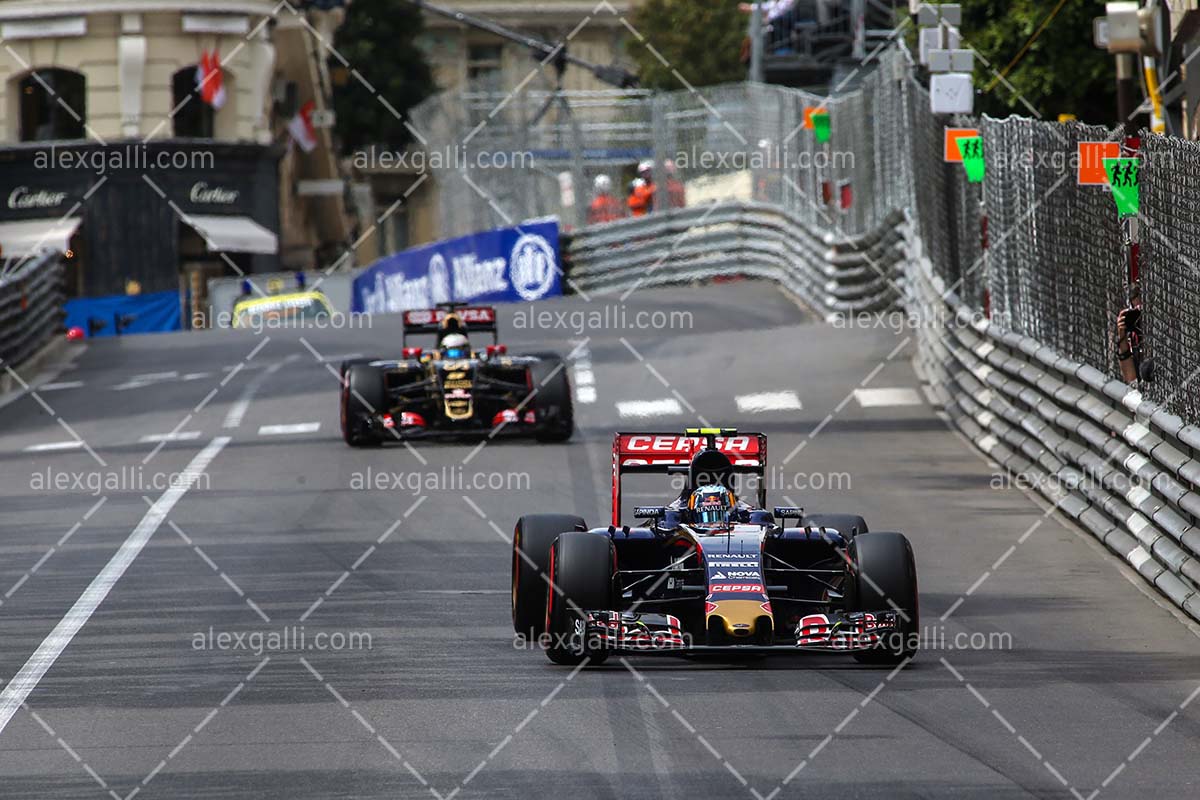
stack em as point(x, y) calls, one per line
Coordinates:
point(709, 572)
point(454, 390)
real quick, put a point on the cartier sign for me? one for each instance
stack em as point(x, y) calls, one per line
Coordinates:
point(203, 193)
point(23, 197)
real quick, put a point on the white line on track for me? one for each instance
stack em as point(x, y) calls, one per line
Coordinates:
point(584, 377)
point(282, 430)
point(238, 410)
point(28, 677)
point(639, 409)
point(181, 436)
point(54, 387)
point(768, 401)
point(52, 446)
point(869, 398)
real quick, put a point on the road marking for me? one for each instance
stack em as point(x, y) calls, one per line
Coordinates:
point(54, 387)
point(584, 378)
point(51, 446)
point(182, 436)
point(639, 409)
point(281, 430)
point(768, 401)
point(870, 398)
point(238, 410)
point(28, 677)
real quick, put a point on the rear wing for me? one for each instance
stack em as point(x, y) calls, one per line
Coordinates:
point(429, 321)
point(671, 453)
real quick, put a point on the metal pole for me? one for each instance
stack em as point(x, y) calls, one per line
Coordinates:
point(756, 43)
point(1128, 91)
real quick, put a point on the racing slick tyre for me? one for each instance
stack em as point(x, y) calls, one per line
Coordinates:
point(532, 538)
point(848, 525)
point(555, 412)
point(581, 579)
point(350, 362)
point(363, 396)
point(885, 574)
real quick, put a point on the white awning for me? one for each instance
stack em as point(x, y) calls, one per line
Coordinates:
point(233, 234)
point(30, 236)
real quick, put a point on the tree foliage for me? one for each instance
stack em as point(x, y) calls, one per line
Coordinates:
point(377, 39)
point(1061, 73)
point(702, 39)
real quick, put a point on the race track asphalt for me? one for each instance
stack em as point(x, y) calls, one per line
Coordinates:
point(1082, 684)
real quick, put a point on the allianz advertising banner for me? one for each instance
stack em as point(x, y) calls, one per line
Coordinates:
point(510, 264)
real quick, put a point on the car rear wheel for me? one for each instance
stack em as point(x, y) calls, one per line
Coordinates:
point(885, 578)
point(553, 404)
point(581, 580)
point(532, 538)
point(363, 397)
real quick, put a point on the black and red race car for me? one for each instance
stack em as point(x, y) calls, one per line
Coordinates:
point(454, 390)
point(750, 582)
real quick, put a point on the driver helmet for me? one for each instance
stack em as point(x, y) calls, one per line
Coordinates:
point(711, 505)
point(455, 345)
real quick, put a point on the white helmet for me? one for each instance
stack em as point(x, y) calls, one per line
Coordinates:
point(455, 345)
point(645, 166)
point(602, 184)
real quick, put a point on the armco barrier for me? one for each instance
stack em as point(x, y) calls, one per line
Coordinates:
point(1121, 466)
point(31, 311)
point(1125, 469)
point(834, 274)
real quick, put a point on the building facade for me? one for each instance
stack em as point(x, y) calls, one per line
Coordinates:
point(113, 153)
point(462, 56)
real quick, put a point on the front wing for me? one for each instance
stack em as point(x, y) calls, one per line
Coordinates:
point(835, 631)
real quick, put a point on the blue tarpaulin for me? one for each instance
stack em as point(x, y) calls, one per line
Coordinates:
point(139, 313)
point(505, 265)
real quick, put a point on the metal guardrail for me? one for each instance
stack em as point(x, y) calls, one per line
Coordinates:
point(1126, 469)
point(31, 307)
point(834, 274)
point(1123, 467)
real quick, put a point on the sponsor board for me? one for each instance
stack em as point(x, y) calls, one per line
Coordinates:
point(504, 265)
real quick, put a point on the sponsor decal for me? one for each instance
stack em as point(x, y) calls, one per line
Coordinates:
point(737, 588)
point(734, 575)
point(709, 607)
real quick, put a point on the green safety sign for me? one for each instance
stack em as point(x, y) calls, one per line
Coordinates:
point(820, 120)
point(1123, 179)
point(971, 148)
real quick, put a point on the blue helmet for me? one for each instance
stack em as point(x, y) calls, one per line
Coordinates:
point(455, 345)
point(711, 505)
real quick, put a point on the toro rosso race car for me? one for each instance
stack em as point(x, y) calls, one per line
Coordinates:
point(710, 572)
point(454, 390)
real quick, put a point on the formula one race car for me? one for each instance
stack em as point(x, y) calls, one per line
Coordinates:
point(708, 572)
point(454, 390)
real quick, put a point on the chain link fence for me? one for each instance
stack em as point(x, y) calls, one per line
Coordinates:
point(1039, 254)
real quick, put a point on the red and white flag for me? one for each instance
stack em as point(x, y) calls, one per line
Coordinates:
point(301, 127)
point(208, 79)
